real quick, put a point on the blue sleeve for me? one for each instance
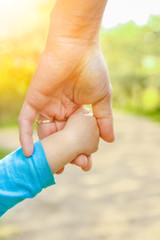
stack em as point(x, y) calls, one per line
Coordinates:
point(22, 177)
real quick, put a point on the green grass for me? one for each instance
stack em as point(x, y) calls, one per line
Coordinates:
point(152, 115)
point(155, 115)
point(12, 124)
point(3, 153)
point(9, 120)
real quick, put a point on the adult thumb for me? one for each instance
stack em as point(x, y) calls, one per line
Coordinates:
point(102, 110)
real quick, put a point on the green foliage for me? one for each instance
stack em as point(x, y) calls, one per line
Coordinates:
point(18, 63)
point(19, 56)
point(133, 57)
point(132, 54)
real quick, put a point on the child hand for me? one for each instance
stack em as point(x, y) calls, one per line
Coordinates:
point(83, 131)
point(79, 136)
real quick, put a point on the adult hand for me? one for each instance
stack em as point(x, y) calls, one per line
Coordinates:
point(69, 75)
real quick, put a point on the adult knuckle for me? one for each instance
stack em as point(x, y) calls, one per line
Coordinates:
point(109, 93)
point(94, 121)
point(19, 120)
point(96, 146)
point(20, 138)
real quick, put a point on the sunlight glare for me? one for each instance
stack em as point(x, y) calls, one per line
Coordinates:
point(120, 12)
point(15, 15)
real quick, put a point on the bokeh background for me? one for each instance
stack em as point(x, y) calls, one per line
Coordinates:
point(119, 198)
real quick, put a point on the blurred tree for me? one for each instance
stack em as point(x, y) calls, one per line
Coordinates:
point(133, 57)
point(18, 60)
point(132, 54)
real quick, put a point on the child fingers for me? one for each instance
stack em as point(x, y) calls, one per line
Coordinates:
point(80, 161)
point(89, 164)
point(60, 171)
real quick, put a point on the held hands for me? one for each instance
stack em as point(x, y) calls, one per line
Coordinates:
point(70, 73)
point(82, 130)
point(79, 136)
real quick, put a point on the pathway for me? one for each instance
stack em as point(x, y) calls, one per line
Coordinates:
point(118, 200)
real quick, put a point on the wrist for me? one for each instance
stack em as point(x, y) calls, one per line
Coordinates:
point(74, 29)
point(78, 20)
point(59, 150)
point(72, 35)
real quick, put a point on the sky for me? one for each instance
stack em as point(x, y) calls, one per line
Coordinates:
point(19, 15)
point(122, 11)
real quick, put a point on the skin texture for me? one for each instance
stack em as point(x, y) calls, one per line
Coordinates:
point(71, 72)
point(80, 135)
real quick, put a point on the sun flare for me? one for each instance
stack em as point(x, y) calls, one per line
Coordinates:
point(16, 15)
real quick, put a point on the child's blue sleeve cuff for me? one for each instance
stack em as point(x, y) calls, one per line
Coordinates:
point(22, 177)
point(42, 167)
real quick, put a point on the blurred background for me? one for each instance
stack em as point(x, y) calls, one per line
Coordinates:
point(120, 197)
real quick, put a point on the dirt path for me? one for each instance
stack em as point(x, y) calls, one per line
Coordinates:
point(118, 200)
point(9, 138)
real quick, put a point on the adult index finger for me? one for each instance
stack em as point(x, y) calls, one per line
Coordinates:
point(25, 121)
